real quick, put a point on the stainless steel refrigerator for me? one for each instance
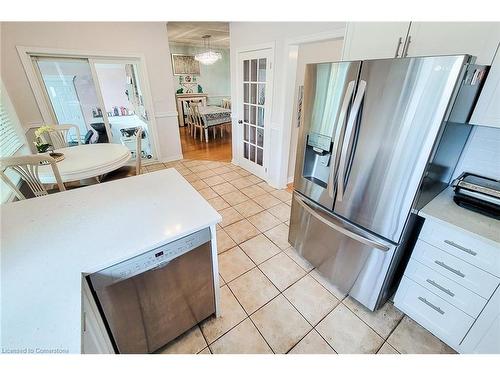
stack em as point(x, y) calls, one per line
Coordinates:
point(378, 140)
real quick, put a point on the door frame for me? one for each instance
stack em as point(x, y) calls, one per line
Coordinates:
point(26, 52)
point(238, 130)
point(290, 58)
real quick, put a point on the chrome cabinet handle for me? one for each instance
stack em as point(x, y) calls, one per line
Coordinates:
point(460, 247)
point(340, 229)
point(407, 45)
point(445, 266)
point(443, 289)
point(348, 133)
point(400, 40)
point(431, 305)
point(341, 122)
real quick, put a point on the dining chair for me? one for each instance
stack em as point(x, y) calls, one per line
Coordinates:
point(226, 103)
point(59, 137)
point(189, 121)
point(197, 120)
point(27, 168)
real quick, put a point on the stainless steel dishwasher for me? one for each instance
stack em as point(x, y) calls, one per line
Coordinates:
point(151, 299)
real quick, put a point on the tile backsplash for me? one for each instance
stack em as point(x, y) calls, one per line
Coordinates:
point(482, 153)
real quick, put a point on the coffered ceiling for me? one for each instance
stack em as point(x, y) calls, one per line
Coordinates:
point(190, 33)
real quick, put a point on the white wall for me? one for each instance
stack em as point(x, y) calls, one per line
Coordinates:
point(251, 36)
point(317, 52)
point(482, 153)
point(147, 38)
point(214, 79)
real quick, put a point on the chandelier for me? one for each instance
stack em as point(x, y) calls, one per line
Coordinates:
point(209, 56)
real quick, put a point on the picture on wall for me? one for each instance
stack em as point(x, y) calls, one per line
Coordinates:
point(185, 64)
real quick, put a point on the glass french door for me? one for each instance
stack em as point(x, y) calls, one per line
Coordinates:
point(255, 89)
point(73, 95)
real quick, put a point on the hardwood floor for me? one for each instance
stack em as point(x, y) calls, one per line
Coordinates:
point(218, 149)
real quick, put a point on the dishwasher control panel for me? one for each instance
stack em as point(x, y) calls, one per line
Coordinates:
point(156, 258)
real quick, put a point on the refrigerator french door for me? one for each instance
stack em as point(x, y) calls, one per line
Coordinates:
point(382, 132)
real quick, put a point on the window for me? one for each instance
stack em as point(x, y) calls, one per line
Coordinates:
point(9, 139)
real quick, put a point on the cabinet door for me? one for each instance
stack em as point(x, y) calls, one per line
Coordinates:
point(374, 40)
point(484, 336)
point(487, 111)
point(448, 38)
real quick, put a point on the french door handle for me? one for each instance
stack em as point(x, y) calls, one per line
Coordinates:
point(340, 127)
point(347, 137)
point(240, 122)
point(338, 228)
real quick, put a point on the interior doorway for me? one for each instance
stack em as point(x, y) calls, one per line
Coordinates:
point(201, 78)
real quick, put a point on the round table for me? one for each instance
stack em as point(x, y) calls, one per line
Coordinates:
point(86, 161)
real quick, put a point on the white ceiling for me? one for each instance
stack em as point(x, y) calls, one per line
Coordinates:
point(190, 33)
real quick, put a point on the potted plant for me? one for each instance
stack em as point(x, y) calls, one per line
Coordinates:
point(40, 142)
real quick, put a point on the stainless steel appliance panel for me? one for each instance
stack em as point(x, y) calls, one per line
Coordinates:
point(328, 93)
point(148, 309)
point(396, 117)
point(353, 260)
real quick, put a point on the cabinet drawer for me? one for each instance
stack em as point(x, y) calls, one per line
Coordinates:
point(461, 272)
point(450, 291)
point(435, 314)
point(480, 253)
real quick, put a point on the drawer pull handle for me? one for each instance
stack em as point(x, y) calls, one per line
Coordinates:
point(460, 247)
point(443, 289)
point(431, 305)
point(445, 266)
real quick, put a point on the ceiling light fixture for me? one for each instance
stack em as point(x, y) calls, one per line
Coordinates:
point(209, 56)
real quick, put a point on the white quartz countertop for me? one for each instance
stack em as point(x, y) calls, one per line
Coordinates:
point(47, 243)
point(444, 209)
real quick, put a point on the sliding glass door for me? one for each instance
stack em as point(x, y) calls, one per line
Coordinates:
point(124, 102)
point(73, 96)
point(103, 97)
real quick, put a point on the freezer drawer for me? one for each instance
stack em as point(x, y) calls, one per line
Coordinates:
point(355, 261)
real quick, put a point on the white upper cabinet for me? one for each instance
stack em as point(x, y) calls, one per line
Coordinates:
point(374, 40)
point(448, 38)
point(487, 111)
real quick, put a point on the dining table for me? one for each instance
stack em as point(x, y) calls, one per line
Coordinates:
point(212, 116)
point(86, 161)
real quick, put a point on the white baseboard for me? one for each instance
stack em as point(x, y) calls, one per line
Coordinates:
point(171, 158)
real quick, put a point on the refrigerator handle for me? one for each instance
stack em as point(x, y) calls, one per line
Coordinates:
point(338, 131)
point(347, 138)
point(355, 236)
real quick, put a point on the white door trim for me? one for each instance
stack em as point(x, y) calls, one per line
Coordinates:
point(287, 97)
point(25, 53)
point(262, 172)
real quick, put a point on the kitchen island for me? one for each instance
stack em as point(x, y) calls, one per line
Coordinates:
point(48, 244)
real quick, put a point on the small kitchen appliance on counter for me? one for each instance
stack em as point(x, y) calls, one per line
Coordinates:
point(478, 193)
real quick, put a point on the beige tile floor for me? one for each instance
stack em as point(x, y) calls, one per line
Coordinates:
point(273, 301)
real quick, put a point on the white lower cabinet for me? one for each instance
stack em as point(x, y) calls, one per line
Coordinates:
point(434, 313)
point(451, 287)
point(484, 336)
point(95, 338)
